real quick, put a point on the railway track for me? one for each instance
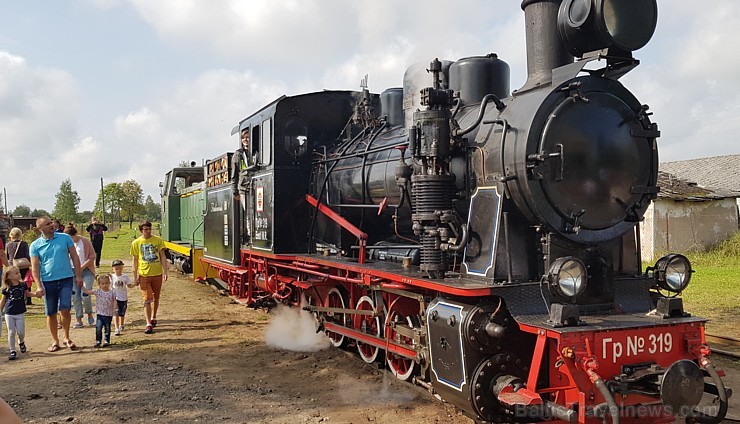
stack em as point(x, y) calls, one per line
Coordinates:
point(724, 345)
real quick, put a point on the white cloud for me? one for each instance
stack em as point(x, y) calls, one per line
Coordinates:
point(193, 123)
point(688, 77)
point(294, 36)
point(38, 127)
point(250, 52)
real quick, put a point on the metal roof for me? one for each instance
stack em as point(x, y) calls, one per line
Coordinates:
point(720, 174)
point(673, 187)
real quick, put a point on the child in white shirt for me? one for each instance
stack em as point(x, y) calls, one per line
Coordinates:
point(121, 283)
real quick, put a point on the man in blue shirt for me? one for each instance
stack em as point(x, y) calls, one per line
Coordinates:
point(55, 266)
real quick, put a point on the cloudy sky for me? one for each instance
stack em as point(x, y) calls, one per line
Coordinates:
point(126, 89)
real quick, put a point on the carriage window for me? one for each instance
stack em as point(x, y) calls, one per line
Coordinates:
point(295, 136)
point(266, 149)
point(179, 186)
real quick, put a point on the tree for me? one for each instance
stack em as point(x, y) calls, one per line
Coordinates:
point(86, 216)
point(152, 211)
point(132, 201)
point(113, 193)
point(22, 210)
point(67, 204)
point(36, 213)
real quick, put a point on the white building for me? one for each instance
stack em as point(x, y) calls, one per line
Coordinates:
point(697, 207)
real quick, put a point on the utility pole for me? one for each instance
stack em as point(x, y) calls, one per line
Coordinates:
point(102, 199)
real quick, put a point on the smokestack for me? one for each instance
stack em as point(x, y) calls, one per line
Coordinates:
point(545, 51)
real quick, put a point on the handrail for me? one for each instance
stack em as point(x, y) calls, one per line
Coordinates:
point(342, 223)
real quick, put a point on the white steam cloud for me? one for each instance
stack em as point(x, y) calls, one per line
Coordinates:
point(294, 329)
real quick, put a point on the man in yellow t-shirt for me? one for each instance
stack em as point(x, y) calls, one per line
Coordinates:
point(150, 271)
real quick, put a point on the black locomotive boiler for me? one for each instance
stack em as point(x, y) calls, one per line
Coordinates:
point(483, 243)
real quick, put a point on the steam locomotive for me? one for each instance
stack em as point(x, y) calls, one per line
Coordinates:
point(483, 244)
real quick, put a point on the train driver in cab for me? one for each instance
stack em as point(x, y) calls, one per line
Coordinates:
point(242, 161)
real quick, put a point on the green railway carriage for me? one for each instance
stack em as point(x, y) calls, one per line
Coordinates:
point(183, 206)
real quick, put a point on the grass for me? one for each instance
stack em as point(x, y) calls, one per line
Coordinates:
point(35, 317)
point(714, 291)
point(117, 243)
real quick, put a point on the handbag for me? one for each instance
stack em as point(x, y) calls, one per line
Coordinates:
point(21, 263)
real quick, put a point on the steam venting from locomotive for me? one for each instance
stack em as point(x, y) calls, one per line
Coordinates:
point(294, 329)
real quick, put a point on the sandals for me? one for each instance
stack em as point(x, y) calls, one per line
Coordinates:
point(70, 344)
point(154, 323)
point(149, 329)
point(53, 348)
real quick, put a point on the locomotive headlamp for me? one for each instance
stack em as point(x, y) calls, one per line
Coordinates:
point(588, 25)
point(672, 272)
point(567, 277)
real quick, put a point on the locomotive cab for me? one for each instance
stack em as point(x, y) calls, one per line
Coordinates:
point(286, 136)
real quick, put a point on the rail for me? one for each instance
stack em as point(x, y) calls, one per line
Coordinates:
point(725, 343)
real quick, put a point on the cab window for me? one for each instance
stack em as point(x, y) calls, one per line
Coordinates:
point(295, 136)
point(266, 142)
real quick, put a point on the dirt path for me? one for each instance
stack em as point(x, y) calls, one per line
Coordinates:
point(206, 362)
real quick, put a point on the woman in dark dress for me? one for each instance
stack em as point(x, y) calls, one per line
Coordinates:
point(96, 230)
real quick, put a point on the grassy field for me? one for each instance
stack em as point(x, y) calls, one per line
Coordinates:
point(117, 244)
point(714, 291)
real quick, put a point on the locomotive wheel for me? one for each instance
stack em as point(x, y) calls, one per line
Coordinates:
point(367, 324)
point(402, 368)
point(335, 300)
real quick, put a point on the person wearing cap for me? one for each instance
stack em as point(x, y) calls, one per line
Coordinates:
point(121, 284)
point(150, 271)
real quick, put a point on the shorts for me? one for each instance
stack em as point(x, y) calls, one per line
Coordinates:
point(151, 287)
point(58, 295)
point(122, 305)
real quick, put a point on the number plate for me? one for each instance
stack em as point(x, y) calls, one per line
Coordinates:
point(636, 345)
